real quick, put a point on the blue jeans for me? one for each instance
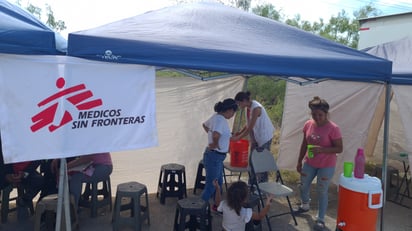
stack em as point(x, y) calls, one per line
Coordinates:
point(100, 173)
point(324, 176)
point(213, 163)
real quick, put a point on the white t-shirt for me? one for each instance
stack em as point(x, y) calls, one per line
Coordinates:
point(219, 124)
point(263, 129)
point(231, 221)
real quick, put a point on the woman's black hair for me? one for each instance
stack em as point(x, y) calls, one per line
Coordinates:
point(225, 105)
point(318, 103)
point(243, 95)
point(237, 194)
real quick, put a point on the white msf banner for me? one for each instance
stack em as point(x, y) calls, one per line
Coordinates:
point(54, 107)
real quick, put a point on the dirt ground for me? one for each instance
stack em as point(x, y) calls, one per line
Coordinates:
point(396, 217)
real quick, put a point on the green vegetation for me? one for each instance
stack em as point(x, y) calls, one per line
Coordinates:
point(52, 22)
point(168, 73)
point(270, 93)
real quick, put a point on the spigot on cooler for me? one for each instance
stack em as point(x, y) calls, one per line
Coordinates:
point(342, 224)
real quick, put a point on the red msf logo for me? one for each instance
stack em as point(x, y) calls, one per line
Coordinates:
point(79, 95)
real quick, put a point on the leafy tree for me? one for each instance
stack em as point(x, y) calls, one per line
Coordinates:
point(268, 11)
point(301, 24)
point(341, 28)
point(271, 93)
point(243, 4)
point(52, 22)
point(345, 29)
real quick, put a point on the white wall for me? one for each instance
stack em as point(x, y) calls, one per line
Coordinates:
point(384, 29)
point(352, 107)
point(182, 105)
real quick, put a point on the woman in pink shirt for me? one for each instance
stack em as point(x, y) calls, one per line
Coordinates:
point(97, 167)
point(326, 138)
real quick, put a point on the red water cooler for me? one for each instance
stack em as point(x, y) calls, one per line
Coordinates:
point(358, 204)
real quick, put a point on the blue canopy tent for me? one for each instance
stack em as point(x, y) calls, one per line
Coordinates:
point(399, 52)
point(213, 37)
point(22, 33)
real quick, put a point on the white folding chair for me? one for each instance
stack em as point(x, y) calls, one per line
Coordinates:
point(265, 162)
point(234, 171)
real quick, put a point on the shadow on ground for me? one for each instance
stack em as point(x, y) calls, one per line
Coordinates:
point(162, 217)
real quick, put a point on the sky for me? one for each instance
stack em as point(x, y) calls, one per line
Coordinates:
point(85, 14)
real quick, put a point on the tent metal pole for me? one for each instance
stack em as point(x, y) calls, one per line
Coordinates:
point(66, 201)
point(60, 194)
point(385, 148)
point(62, 200)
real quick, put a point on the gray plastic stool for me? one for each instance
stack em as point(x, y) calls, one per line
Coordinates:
point(94, 197)
point(48, 205)
point(138, 212)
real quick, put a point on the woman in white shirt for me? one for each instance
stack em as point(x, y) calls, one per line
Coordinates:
point(219, 135)
point(259, 126)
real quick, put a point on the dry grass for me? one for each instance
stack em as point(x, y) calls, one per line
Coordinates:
point(287, 175)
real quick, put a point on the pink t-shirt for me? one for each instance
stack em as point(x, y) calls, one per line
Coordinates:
point(102, 158)
point(322, 136)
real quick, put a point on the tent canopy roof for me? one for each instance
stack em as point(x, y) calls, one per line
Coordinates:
point(211, 36)
point(400, 53)
point(22, 33)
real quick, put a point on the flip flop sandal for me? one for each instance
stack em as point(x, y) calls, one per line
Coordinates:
point(300, 210)
point(319, 225)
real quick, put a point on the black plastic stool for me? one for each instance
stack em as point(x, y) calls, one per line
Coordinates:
point(392, 176)
point(198, 211)
point(94, 197)
point(172, 182)
point(200, 178)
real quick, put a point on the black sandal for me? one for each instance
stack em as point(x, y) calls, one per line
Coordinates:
point(319, 225)
point(300, 210)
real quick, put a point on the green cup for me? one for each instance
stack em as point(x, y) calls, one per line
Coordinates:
point(347, 169)
point(310, 152)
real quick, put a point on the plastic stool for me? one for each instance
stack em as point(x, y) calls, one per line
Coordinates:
point(5, 202)
point(392, 176)
point(199, 212)
point(48, 205)
point(90, 197)
point(172, 182)
point(139, 213)
point(200, 178)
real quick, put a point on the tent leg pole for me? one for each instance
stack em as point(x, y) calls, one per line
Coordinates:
point(66, 201)
point(385, 148)
point(63, 194)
